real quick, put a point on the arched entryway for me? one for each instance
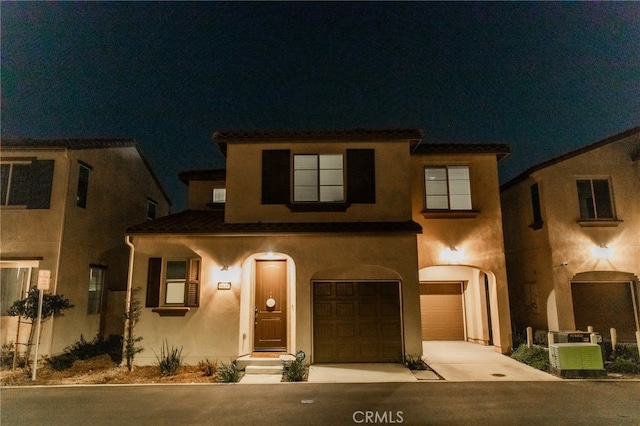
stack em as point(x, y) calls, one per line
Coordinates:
point(457, 302)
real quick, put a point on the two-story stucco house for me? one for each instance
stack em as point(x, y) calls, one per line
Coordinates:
point(317, 241)
point(65, 206)
point(572, 238)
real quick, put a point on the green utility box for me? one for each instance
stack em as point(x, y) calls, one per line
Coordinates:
point(576, 360)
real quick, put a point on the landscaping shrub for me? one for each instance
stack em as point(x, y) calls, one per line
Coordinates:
point(170, 360)
point(295, 370)
point(415, 363)
point(624, 365)
point(6, 356)
point(536, 357)
point(519, 336)
point(64, 361)
point(229, 373)
point(207, 367)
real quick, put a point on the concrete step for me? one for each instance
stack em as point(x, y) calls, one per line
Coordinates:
point(263, 369)
point(252, 360)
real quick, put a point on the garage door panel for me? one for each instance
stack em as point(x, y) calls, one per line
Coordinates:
point(604, 305)
point(441, 311)
point(366, 319)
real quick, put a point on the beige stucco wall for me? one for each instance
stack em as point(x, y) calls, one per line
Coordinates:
point(478, 239)
point(75, 238)
point(200, 193)
point(220, 328)
point(543, 262)
point(244, 189)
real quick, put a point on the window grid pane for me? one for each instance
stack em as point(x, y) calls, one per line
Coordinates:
point(318, 178)
point(604, 209)
point(96, 283)
point(447, 188)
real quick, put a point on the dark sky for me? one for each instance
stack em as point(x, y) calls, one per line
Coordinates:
point(545, 78)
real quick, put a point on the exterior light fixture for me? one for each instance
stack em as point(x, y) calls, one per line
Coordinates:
point(224, 267)
point(453, 254)
point(602, 252)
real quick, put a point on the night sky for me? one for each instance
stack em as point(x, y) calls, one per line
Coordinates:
point(545, 78)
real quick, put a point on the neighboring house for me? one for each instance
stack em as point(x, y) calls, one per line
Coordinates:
point(66, 204)
point(572, 238)
point(307, 241)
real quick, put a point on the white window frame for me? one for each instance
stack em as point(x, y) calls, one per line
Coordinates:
point(12, 164)
point(175, 290)
point(31, 267)
point(318, 178)
point(97, 292)
point(219, 195)
point(447, 188)
point(593, 200)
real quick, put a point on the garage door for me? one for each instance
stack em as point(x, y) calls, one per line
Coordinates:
point(441, 311)
point(357, 322)
point(604, 305)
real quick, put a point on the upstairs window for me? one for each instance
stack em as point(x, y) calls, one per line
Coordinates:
point(96, 286)
point(447, 188)
point(535, 206)
point(318, 178)
point(26, 183)
point(83, 185)
point(152, 208)
point(317, 182)
point(219, 195)
point(594, 198)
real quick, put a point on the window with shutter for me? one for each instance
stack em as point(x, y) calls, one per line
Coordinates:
point(174, 281)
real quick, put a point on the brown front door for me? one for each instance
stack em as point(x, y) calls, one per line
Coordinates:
point(270, 310)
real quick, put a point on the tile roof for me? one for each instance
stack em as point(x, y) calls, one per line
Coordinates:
point(208, 174)
point(524, 175)
point(68, 143)
point(212, 222)
point(221, 138)
point(426, 148)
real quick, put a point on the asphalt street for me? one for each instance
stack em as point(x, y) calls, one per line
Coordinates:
point(495, 403)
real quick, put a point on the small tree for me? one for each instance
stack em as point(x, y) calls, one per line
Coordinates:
point(131, 319)
point(52, 305)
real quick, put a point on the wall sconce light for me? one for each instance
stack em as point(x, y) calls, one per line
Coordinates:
point(224, 267)
point(453, 254)
point(224, 285)
point(602, 252)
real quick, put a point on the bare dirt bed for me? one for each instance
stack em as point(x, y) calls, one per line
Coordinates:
point(101, 370)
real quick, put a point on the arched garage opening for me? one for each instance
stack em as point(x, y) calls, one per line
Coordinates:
point(457, 303)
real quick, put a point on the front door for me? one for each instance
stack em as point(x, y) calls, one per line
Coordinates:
point(270, 309)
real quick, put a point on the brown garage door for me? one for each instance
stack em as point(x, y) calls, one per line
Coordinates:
point(356, 322)
point(604, 305)
point(441, 311)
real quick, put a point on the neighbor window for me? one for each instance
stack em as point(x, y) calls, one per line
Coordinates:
point(96, 286)
point(152, 206)
point(83, 186)
point(447, 188)
point(175, 282)
point(26, 183)
point(318, 178)
point(219, 195)
point(594, 198)
point(535, 205)
point(15, 278)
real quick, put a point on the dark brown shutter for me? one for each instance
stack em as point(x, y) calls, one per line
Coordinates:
point(193, 285)
point(40, 185)
point(154, 278)
point(361, 176)
point(276, 180)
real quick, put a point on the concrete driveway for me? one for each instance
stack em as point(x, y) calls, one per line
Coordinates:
point(452, 361)
point(470, 362)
